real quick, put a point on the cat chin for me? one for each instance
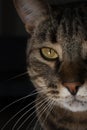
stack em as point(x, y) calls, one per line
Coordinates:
point(74, 106)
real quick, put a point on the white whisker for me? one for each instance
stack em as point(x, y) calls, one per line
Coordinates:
point(25, 97)
point(35, 117)
point(50, 109)
point(42, 103)
point(42, 112)
point(17, 76)
point(17, 114)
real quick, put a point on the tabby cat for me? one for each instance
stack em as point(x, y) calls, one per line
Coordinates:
point(57, 61)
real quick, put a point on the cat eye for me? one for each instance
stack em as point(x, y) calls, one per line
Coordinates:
point(49, 53)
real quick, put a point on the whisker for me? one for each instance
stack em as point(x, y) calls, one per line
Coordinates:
point(21, 109)
point(31, 123)
point(17, 114)
point(24, 115)
point(35, 92)
point(17, 76)
point(35, 117)
point(42, 103)
point(50, 109)
point(42, 112)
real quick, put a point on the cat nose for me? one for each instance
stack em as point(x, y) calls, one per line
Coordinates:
point(73, 87)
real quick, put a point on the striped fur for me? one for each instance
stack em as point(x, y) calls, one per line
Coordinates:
point(64, 29)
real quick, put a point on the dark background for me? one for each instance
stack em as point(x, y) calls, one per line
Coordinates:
point(13, 39)
point(14, 84)
point(14, 81)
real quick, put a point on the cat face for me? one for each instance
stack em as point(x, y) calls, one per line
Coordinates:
point(57, 51)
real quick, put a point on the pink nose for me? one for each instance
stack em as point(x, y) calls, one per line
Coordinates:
point(72, 87)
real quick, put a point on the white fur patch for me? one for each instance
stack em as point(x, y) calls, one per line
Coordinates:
point(77, 103)
point(74, 106)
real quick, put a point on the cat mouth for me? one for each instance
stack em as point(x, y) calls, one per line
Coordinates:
point(75, 105)
point(76, 102)
point(77, 99)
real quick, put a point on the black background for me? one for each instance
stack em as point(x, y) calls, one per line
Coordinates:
point(13, 40)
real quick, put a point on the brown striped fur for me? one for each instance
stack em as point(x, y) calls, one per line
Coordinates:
point(64, 29)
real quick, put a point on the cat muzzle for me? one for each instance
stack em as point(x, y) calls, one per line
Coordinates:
point(73, 87)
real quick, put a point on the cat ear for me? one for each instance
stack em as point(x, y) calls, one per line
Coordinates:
point(32, 12)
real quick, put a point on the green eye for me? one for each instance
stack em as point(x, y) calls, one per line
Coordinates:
point(49, 53)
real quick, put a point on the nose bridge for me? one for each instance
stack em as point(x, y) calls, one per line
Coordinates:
point(70, 72)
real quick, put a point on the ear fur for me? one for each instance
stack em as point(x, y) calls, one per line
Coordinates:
point(31, 12)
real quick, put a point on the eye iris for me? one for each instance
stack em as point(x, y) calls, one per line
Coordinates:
point(49, 53)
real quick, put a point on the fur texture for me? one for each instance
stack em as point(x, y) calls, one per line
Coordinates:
point(63, 29)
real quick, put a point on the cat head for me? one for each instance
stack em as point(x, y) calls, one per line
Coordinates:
point(57, 51)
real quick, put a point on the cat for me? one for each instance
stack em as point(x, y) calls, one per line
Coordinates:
point(57, 61)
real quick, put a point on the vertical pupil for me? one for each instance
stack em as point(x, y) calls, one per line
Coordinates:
point(49, 51)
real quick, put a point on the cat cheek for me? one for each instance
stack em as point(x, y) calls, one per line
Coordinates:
point(40, 82)
point(83, 90)
point(40, 85)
